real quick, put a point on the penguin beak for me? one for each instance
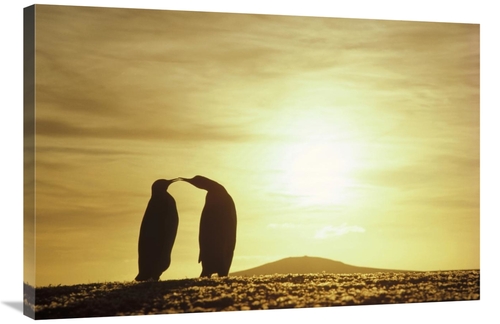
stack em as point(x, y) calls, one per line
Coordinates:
point(184, 179)
point(176, 179)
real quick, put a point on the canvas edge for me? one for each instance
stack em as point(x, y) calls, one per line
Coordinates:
point(29, 160)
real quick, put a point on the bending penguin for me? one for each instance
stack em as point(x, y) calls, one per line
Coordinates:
point(158, 232)
point(217, 236)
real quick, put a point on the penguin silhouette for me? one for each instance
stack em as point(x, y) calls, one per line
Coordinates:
point(217, 236)
point(158, 232)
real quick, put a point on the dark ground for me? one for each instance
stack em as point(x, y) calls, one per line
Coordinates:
point(251, 293)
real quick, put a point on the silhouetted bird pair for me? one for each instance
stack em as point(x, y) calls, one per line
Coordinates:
point(217, 237)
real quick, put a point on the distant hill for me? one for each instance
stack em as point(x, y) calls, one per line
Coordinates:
point(305, 264)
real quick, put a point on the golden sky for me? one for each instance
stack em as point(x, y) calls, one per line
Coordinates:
point(349, 139)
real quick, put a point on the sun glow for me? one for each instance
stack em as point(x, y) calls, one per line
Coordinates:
point(317, 173)
point(317, 157)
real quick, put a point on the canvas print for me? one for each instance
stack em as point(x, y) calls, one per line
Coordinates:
point(182, 161)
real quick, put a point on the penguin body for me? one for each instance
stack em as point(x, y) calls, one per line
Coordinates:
point(217, 236)
point(158, 231)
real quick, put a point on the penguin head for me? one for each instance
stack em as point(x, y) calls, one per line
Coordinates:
point(161, 185)
point(200, 182)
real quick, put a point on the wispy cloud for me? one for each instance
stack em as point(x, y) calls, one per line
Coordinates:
point(282, 226)
point(343, 229)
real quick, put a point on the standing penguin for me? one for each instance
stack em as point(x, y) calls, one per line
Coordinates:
point(158, 232)
point(217, 236)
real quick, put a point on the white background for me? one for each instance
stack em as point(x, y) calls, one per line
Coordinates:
point(11, 156)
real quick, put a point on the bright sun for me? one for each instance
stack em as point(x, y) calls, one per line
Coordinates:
point(317, 173)
point(316, 157)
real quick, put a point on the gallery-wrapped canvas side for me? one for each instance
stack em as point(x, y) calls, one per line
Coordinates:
point(29, 161)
